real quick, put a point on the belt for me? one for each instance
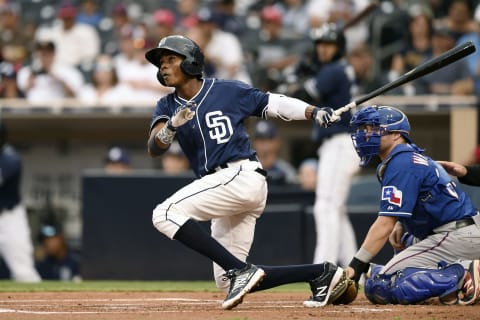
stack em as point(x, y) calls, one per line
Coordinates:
point(251, 158)
point(464, 222)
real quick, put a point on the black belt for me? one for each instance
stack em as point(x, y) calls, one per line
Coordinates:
point(464, 222)
point(251, 158)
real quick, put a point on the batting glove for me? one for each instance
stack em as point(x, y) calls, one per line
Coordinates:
point(182, 116)
point(325, 117)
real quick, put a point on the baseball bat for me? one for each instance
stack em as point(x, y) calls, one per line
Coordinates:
point(422, 69)
point(361, 15)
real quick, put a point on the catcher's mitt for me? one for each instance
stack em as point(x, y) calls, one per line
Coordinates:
point(344, 292)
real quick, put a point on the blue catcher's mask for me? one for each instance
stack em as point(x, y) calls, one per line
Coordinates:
point(370, 124)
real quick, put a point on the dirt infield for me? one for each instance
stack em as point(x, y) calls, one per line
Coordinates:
point(202, 305)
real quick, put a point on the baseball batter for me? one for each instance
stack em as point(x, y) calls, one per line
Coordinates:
point(423, 214)
point(206, 117)
point(15, 242)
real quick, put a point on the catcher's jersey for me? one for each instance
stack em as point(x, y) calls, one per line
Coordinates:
point(216, 135)
point(419, 192)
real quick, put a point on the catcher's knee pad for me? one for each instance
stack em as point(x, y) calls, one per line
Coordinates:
point(413, 285)
point(168, 218)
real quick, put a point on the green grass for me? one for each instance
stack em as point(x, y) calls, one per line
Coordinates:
point(159, 286)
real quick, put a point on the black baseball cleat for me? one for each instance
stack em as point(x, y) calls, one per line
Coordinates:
point(333, 278)
point(241, 282)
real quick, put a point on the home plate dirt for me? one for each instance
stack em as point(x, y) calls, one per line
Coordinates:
point(207, 305)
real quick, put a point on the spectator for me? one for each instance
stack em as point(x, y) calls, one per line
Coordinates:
point(361, 59)
point(294, 23)
point(417, 48)
point(8, 81)
point(339, 12)
point(459, 19)
point(57, 261)
point(187, 14)
point(77, 44)
point(120, 23)
point(307, 174)
point(267, 143)
point(104, 88)
point(134, 71)
point(229, 20)
point(174, 160)
point(45, 79)
point(222, 49)
point(117, 160)
point(454, 79)
point(165, 23)
point(16, 246)
point(90, 13)
point(272, 54)
point(16, 36)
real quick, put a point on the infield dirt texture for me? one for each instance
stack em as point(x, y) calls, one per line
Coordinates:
point(206, 305)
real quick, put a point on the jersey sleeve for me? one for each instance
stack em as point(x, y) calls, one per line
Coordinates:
point(162, 112)
point(252, 100)
point(400, 189)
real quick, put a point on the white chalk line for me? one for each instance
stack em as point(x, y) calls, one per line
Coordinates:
point(116, 305)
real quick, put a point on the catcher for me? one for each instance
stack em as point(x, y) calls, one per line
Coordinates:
point(428, 219)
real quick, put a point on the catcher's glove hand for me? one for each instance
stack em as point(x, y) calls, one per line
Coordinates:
point(344, 292)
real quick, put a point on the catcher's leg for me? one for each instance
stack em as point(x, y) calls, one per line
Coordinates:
point(413, 285)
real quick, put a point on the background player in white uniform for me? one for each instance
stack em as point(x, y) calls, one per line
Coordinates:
point(16, 247)
point(333, 85)
point(206, 117)
point(427, 218)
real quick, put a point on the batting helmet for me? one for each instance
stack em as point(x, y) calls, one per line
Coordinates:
point(383, 119)
point(187, 48)
point(330, 33)
point(3, 134)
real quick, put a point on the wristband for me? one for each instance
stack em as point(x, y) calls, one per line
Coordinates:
point(170, 126)
point(359, 267)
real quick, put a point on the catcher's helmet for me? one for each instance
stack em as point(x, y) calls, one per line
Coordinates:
point(191, 65)
point(330, 33)
point(383, 119)
point(3, 134)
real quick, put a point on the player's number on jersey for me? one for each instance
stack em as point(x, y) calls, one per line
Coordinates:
point(220, 126)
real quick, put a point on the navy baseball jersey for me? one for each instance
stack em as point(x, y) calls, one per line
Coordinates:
point(334, 85)
point(217, 134)
point(10, 175)
point(420, 192)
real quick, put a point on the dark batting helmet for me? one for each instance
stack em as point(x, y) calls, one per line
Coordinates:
point(3, 134)
point(187, 48)
point(330, 33)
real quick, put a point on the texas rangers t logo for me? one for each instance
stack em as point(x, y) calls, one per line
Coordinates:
point(392, 195)
point(221, 127)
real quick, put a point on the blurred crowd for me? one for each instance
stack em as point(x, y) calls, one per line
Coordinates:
point(94, 51)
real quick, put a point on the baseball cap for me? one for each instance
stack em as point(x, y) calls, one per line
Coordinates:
point(164, 17)
point(208, 15)
point(117, 155)
point(49, 230)
point(271, 14)
point(443, 31)
point(45, 45)
point(265, 130)
point(67, 10)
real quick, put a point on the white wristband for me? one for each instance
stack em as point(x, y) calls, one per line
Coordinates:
point(364, 255)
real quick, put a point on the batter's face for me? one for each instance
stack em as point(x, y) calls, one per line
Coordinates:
point(170, 69)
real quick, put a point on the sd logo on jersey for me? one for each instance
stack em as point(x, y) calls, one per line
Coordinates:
point(392, 195)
